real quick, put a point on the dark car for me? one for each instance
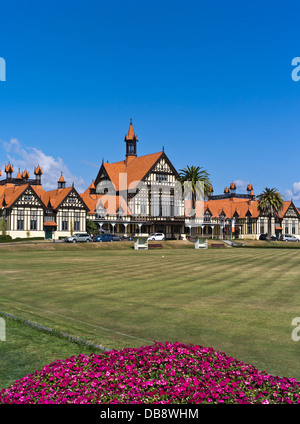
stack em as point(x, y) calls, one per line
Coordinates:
point(107, 237)
point(264, 237)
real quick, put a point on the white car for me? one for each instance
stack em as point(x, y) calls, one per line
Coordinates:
point(156, 236)
point(288, 237)
point(77, 238)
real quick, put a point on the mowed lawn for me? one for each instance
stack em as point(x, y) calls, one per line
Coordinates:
point(240, 301)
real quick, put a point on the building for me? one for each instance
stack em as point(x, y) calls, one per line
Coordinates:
point(140, 195)
point(137, 194)
point(30, 211)
point(237, 215)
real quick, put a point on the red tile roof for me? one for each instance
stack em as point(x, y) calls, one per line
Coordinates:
point(134, 171)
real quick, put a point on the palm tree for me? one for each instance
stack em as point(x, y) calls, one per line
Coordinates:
point(193, 175)
point(270, 202)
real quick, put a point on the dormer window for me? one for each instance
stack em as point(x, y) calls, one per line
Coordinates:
point(207, 217)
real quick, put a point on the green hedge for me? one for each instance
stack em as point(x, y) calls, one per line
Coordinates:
point(5, 239)
point(9, 239)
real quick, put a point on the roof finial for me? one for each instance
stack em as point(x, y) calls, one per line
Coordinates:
point(131, 120)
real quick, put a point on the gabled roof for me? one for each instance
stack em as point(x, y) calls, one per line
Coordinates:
point(135, 170)
point(91, 201)
point(240, 207)
point(287, 204)
point(112, 204)
point(56, 197)
point(90, 187)
point(9, 195)
point(109, 202)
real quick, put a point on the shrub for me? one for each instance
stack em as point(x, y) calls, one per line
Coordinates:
point(5, 238)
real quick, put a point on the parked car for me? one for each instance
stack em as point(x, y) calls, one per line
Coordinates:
point(288, 237)
point(264, 237)
point(156, 236)
point(77, 238)
point(107, 237)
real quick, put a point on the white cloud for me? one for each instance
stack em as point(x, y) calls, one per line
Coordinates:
point(26, 157)
point(241, 185)
point(293, 193)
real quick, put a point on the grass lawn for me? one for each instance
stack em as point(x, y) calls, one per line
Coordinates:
point(27, 349)
point(239, 301)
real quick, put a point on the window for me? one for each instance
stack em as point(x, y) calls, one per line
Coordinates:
point(262, 226)
point(160, 178)
point(28, 197)
point(65, 221)
point(131, 149)
point(76, 221)
point(20, 220)
point(33, 220)
point(207, 217)
point(293, 226)
point(249, 225)
point(286, 226)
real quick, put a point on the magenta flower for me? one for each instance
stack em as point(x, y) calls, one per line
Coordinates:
point(161, 373)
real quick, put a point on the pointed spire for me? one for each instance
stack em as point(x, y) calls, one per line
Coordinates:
point(38, 170)
point(61, 182)
point(131, 139)
point(61, 179)
point(9, 169)
point(131, 135)
point(19, 176)
point(25, 174)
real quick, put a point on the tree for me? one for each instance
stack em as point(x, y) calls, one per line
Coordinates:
point(91, 227)
point(193, 175)
point(270, 203)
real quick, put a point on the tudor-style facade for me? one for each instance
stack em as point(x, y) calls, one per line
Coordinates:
point(237, 215)
point(139, 194)
point(147, 186)
point(31, 211)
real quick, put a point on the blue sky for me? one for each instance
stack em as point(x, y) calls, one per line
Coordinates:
point(209, 81)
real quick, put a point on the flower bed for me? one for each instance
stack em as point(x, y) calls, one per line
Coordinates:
point(161, 373)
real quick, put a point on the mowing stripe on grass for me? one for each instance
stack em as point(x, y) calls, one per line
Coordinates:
point(79, 321)
point(51, 331)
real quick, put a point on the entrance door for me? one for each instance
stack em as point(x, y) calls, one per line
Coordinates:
point(48, 233)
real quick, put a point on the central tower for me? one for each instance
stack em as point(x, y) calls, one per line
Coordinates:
point(131, 140)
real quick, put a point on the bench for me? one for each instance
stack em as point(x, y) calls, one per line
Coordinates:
point(201, 243)
point(154, 246)
point(217, 245)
